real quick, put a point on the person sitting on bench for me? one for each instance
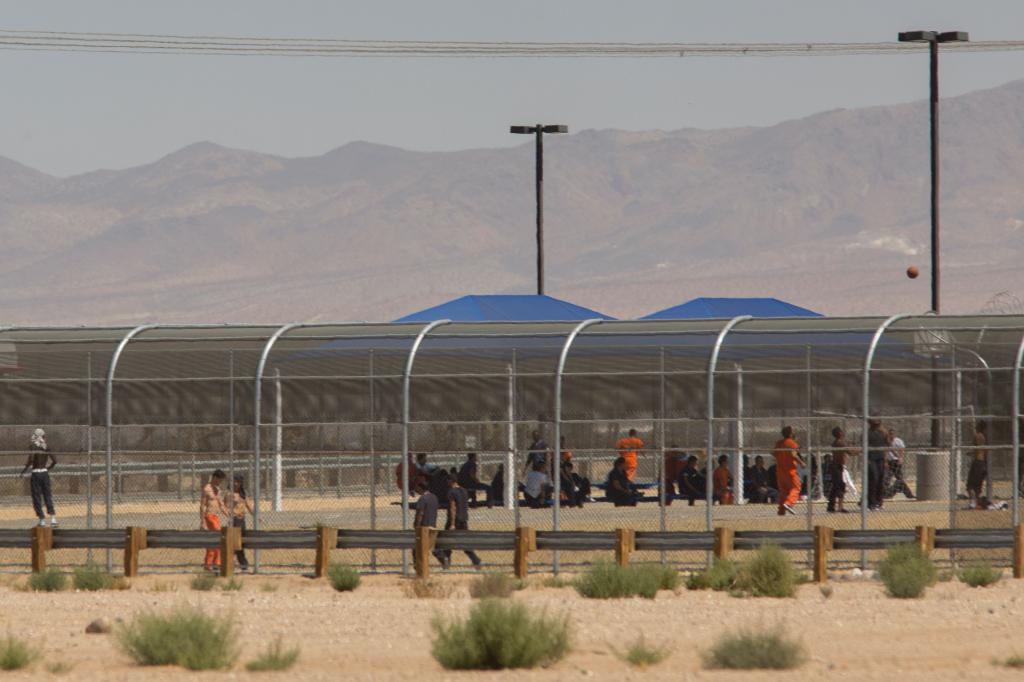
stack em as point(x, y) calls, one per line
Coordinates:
point(468, 478)
point(691, 483)
point(575, 488)
point(619, 491)
point(538, 486)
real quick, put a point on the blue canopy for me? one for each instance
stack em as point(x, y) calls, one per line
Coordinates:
point(505, 308)
point(716, 308)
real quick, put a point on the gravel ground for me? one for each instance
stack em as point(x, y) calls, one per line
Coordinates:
point(379, 633)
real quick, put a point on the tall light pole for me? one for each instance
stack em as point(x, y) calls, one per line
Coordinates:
point(933, 38)
point(539, 130)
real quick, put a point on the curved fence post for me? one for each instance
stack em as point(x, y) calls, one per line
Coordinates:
point(1018, 361)
point(712, 366)
point(109, 408)
point(869, 358)
point(406, 380)
point(557, 465)
point(257, 392)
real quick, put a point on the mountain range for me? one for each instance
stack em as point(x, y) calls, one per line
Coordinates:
point(826, 211)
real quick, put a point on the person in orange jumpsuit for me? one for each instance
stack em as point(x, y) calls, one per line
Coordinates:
point(211, 508)
point(722, 481)
point(627, 448)
point(787, 458)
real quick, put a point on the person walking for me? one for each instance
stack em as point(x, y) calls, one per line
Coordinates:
point(240, 505)
point(40, 461)
point(628, 448)
point(878, 443)
point(979, 465)
point(211, 507)
point(458, 518)
point(837, 471)
point(426, 516)
point(787, 459)
point(895, 456)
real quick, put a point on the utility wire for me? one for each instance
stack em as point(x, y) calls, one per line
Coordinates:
point(148, 43)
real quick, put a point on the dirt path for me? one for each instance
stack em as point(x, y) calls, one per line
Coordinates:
point(378, 633)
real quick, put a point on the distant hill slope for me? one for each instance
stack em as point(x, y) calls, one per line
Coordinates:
point(826, 211)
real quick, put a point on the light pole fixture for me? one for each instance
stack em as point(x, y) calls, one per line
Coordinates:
point(538, 130)
point(933, 38)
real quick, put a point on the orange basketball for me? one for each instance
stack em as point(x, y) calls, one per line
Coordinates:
point(912, 272)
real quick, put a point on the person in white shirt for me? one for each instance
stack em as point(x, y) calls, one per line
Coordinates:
point(538, 486)
point(897, 451)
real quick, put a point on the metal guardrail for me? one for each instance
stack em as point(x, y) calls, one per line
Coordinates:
point(722, 541)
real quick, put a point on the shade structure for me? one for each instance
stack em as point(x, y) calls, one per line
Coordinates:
point(505, 308)
point(714, 308)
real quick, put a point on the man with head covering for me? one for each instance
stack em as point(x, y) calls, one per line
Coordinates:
point(40, 461)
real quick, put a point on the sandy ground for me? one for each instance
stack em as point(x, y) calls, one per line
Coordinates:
point(379, 633)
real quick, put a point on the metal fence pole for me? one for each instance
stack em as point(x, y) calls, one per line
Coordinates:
point(712, 366)
point(373, 462)
point(740, 460)
point(406, 381)
point(865, 411)
point(88, 448)
point(257, 391)
point(231, 419)
point(109, 409)
point(663, 481)
point(1018, 361)
point(557, 493)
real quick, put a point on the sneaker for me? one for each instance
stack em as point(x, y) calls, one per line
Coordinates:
point(53, 522)
point(789, 509)
point(42, 523)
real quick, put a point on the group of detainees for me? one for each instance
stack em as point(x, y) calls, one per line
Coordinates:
point(788, 479)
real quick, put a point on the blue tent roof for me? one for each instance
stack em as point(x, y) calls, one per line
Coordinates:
point(713, 308)
point(505, 308)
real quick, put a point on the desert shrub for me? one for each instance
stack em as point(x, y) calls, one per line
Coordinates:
point(500, 585)
point(769, 573)
point(420, 588)
point(753, 649)
point(640, 654)
point(607, 580)
point(980, 575)
point(668, 577)
point(906, 571)
point(120, 583)
point(15, 654)
point(186, 637)
point(274, 657)
point(163, 587)
point(1014, 662)
point(500, 634)
point(50, 580)
point(91, 578)
point(720, 577)
point(233, 585)
point(343, 577)
point(204, 582)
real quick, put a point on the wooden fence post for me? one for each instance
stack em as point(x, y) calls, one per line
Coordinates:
point(1018, 552)
point(326, 540)
point(230, 542)
point(925, 538)
point(823, 536)
point(42, 540)
point(625, 544)
point(425, 537)
point(526, 542)
point(134, 540)
point(723, 542)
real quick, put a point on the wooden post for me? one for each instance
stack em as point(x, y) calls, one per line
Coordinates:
point(723, 542)
point(425, 538)
point(625, 544)
point(526, 542)
point(823, 536)
point(1018, 552)
point(925, 538)
point(326, 540)
point(230, 542)
point(42, 540)
point(134, 540)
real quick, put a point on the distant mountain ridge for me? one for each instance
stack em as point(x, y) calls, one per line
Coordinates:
point(826, 211)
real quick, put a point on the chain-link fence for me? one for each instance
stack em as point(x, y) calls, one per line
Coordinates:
point(318, 420)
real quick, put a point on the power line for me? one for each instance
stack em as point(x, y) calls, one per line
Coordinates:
point(147, 43)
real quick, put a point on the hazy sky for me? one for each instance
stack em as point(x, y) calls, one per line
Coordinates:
point(69, 113)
